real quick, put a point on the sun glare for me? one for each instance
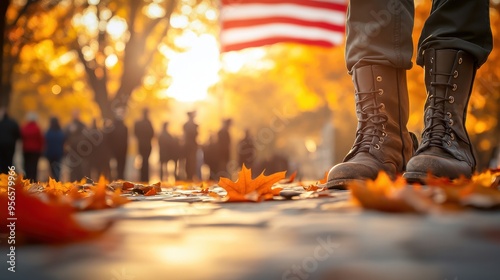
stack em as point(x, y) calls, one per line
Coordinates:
point(234, 61)
point(195, 70)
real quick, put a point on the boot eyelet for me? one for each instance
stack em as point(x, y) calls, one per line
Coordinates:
point(448, 143)
point(376, 146)
point(449, 115)
point(460, 60)
point(382, 106)
point(455, 74)
point(455, 87)
point(380, 91)
point(451, 99)
point(432, 59)
point(379, 78)
point(384, 134)
point(450, 122)
point(452, 136)
point(383, 126)
point(381, 140)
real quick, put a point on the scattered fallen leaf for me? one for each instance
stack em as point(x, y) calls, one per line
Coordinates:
point(390, 196)
point(289, 180)
point(319, 186)
point(325, 179)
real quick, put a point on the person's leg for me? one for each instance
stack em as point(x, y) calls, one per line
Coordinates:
point(6, 156)
point(120, 166)
point(36, 158)
point(145, 166)
point(378, 52)
point(54, 168)
point(459, 25)
point(31, 165)
point(379, 32)
point(160, 166)
point(455, 41)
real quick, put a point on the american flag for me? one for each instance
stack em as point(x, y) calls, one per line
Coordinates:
point(253, 23)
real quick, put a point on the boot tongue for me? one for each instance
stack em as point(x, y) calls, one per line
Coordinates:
point(442, 66)
point(364, 81)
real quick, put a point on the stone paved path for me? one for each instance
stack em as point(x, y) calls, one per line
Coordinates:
point(325, 238)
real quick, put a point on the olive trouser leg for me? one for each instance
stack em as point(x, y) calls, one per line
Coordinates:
point(380, 31)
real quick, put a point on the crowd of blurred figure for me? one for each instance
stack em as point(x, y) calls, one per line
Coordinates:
point(102, 149)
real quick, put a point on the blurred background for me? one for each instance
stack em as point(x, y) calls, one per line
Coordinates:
point(110, 59)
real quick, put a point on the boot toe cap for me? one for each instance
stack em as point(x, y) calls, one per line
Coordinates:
point(420, 166)
point(343, 173)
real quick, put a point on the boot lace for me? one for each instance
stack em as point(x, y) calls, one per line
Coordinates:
point(372, 120)
point(438, 123)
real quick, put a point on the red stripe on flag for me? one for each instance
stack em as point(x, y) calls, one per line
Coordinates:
point(260, 21)
point(273, 40)
point(310, 3)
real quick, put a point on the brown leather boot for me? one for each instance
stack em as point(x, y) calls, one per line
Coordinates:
point(382, 140)
point(445, 150)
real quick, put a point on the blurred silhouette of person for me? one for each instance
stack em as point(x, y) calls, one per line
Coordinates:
point(224, 147)
point(277, 162)
point(118, 139)
point(246, 150)
point(101, 153)
point(9, 134)
point(190, 129)
point(32, 138)
point(210, 155)
point(54, 147)
point(169, 149)
point(495, 158)
point(144, 132)
point(77, 154)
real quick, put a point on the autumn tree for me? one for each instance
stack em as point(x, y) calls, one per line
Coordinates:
point(19, 28)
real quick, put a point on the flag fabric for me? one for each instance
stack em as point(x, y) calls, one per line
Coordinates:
point(253, 23)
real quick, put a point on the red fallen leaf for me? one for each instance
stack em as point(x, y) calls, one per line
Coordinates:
point(246, 189)
point(151, 192)
point(127, 185)
point(40, 222)
point(156, 186)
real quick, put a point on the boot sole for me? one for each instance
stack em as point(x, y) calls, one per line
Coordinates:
point(415, 177)
point(341, 184)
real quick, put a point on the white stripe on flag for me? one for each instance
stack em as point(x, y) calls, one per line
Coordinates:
point(248, 34)
point(250, 11)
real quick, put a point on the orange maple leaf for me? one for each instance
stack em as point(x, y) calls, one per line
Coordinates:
point(291, 179)
point(325, 179)
point(390, 196)
point(101, 200)
point(247, 189)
